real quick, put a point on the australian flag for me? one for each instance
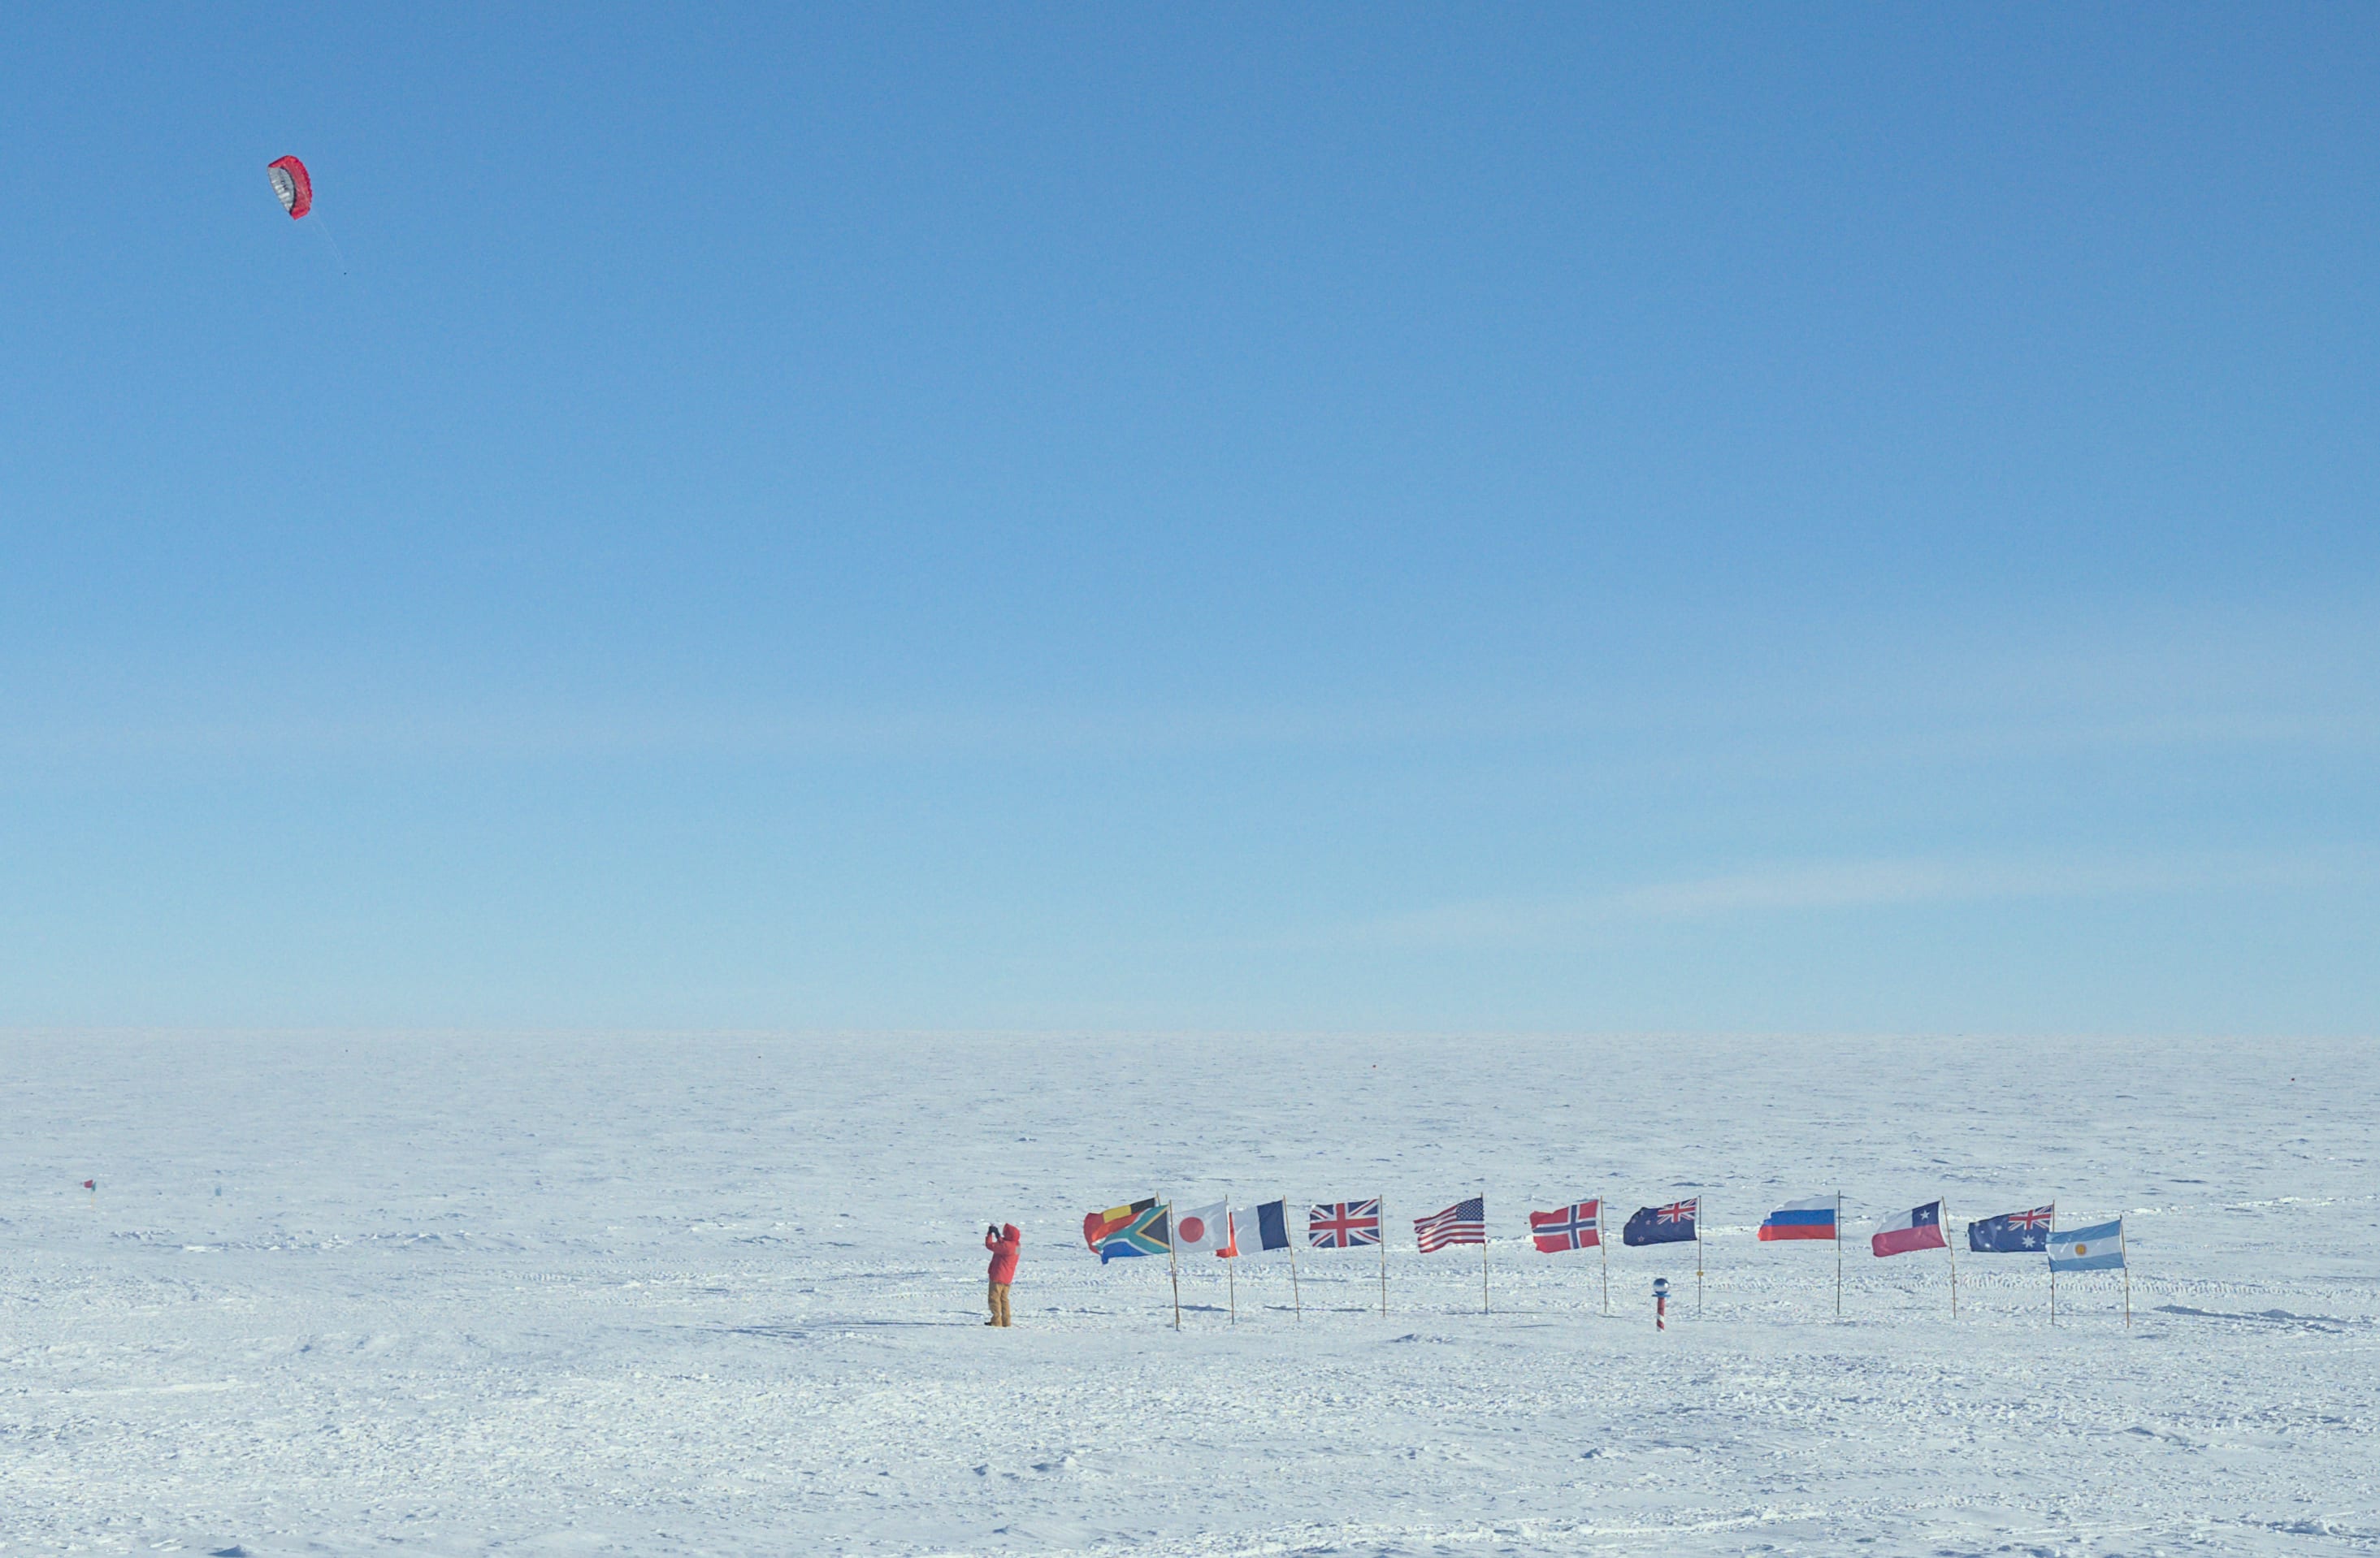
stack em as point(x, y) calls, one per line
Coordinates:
point(1673, 1224)
point(2011, 1233)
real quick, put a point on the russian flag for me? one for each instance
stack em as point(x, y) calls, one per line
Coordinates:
point(1801, 1219)
point(1919, 1227)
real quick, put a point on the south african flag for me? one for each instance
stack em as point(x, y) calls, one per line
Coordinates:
point(1149, 1233)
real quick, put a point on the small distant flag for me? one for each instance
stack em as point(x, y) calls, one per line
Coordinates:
point(1801, 1219)
point(1203, 1227)
point(1464, 1222)
point(1919, 1227)
point(2099, 1248)
point(1343, 1225)
point(1673, 1224)
point(1270, 1224)
point(1146, 1234)
point(1097, 1226)
point(1576, 1226)
point(2011, 1233)
point(91, 1184)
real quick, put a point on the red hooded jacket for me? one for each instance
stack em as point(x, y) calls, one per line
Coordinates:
point(1004, 1252)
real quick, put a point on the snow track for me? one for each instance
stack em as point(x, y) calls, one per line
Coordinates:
point(580, 1296)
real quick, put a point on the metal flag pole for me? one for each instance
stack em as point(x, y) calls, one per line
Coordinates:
point(2124, 1255)
point(1297, 1302)
point(1698, 1257)
point(1231, 1253)
point(1174, 1259)
point(1839, 1254)
point(1603, 1246)
point(1951, 1251)
point(1382, 1207)
point(2051, 1262)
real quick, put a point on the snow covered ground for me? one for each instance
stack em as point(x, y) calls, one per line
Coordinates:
point(593, 1295)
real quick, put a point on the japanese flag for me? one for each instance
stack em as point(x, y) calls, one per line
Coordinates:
point(1203, 1227)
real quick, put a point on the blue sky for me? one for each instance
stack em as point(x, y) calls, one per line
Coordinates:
point(1348, 519)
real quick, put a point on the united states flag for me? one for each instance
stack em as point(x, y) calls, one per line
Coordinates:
point(1464, 1222)
point(1342, 1225)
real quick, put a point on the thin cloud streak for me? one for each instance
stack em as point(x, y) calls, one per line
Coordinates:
point(1019, 733)
point(1828, 703)
point(1025, 735)
point(1821, 887)
point(2146, 684)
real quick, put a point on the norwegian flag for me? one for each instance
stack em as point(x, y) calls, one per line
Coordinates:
point(1576, 1226)
point(1464, 1222)
point(1342, 1225)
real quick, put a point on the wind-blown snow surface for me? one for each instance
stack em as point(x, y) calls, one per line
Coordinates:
point(653, 1296)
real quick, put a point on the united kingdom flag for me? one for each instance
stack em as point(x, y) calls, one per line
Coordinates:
point(1343, 1225)
point(1575, 1227)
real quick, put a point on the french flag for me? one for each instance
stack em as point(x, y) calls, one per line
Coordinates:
point(1801, 1219)
point(1919, 1227)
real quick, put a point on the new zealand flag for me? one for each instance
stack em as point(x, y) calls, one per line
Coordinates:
point(1673, 1224)
point(2011, 1233)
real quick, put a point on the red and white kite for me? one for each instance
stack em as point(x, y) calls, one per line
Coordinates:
point(289, 182)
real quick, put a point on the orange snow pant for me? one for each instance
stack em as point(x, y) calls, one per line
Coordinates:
point(999, 1303)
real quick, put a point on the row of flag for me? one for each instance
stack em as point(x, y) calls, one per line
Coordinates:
point(2099, 1247)
point(1152, 1228)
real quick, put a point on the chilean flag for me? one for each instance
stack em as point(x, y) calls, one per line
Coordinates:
point(1919, 1227)
point(1801, 1219)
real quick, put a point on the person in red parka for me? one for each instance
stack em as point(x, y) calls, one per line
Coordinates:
point(1002, 1243)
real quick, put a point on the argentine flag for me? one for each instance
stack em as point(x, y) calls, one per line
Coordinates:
point(2096, 1248)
